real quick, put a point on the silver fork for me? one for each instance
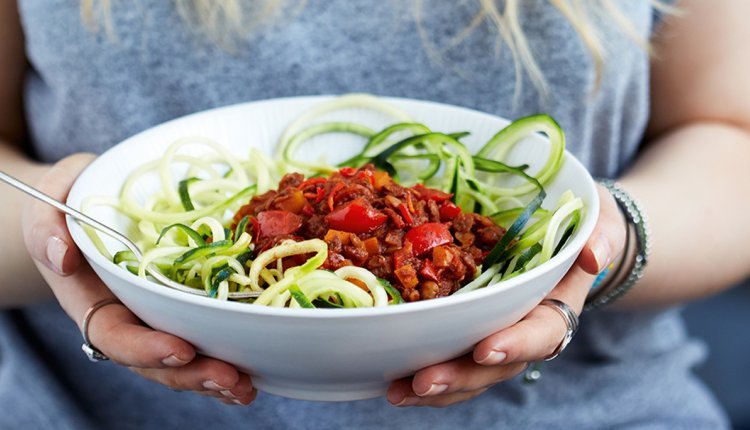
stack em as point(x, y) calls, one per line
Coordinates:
point(85, 219)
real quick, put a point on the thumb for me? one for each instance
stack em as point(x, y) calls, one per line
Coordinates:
point(608, 238)
point(44, 230)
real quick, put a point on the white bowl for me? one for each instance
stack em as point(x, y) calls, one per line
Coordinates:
point(324, 354)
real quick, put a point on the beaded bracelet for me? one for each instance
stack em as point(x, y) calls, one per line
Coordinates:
point(638, 227)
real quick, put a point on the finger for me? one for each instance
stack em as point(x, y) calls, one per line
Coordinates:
point(446, 400)
point(461, 375)
point(401, 394)
point(242, 390)
point(230, 400)
point(46, 236)
point(440, 401)
point(241, 401)
point(113, 329)
point(608, 238)
point(247, 398)
point(208, 393)
point(122, 337)
point(203, 373)
point(537, 335)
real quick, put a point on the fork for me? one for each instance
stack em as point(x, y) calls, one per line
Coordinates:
point(85, 219)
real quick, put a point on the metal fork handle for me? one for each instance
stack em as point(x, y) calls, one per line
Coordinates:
point(78, 216)
point(83, 218)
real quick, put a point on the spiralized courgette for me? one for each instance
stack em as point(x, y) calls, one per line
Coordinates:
point(183, 226)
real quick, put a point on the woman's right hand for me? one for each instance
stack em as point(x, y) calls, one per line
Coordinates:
point(114, 330)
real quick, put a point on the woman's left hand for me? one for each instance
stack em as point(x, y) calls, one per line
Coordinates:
point(507, 353)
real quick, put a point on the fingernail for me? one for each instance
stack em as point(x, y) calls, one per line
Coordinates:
point(600, 249)
point(494, 357)
point(173, 361)
point(228, 394)
point(236, 401)
point(434, 390)
point(56, 250)
point(408, 401)
point(212, 385)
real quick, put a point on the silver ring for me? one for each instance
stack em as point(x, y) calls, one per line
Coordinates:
point(90, 350)
point(571, 321)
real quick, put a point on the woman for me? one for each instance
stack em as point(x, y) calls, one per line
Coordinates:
point(629, 365)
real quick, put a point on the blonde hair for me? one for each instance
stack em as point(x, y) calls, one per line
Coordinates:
point(224, 20)
point(221, 21)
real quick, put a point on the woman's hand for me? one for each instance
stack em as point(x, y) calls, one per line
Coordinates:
point(507, 353)
point(113, 329)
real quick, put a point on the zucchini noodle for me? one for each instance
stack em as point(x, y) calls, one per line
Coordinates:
point(186, 225)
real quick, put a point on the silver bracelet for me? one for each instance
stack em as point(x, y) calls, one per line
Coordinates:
point(636, 219)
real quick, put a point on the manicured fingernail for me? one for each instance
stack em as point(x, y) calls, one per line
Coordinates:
point(494, 357)
point(236, 401)
point(408, 401)
point(212, 385)
point(56, 250)
point(173, 361)
point(228, 394)
point(434, 390)
point(600, 249)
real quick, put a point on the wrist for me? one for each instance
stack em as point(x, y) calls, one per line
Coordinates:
point(627, 268)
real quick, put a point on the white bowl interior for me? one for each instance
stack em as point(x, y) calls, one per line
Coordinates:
point(323, 354)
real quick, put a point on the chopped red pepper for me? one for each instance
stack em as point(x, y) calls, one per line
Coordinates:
point(358, 216)
point(311, 181)
point(348, 172)
point(320, 195)
point(256, 228)
point(276, 223)
point(448, 211)
point(431, 194)
point(405, 214)
point(367, 174)
point(332, 196)
point(429, 271)
point(370, 221)
point(427, 236)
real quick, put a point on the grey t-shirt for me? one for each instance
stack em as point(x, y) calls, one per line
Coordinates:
point(87, 91)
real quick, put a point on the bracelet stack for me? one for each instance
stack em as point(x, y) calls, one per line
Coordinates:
point(635, 255)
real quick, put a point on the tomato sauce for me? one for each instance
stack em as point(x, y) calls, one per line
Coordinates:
point(414, 237)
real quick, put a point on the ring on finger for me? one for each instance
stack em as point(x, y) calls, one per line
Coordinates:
point(90, 350)
point(571, 323)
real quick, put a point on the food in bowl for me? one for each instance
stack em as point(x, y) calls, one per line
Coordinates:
point(316, 354)
point(414, 216)
point(414, 241)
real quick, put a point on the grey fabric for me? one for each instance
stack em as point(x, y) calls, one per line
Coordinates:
point(86, 92)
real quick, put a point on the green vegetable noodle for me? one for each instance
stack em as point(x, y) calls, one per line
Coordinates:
point(205, 225)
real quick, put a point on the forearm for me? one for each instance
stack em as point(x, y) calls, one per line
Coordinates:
point(693, 183)
point(20, 282)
